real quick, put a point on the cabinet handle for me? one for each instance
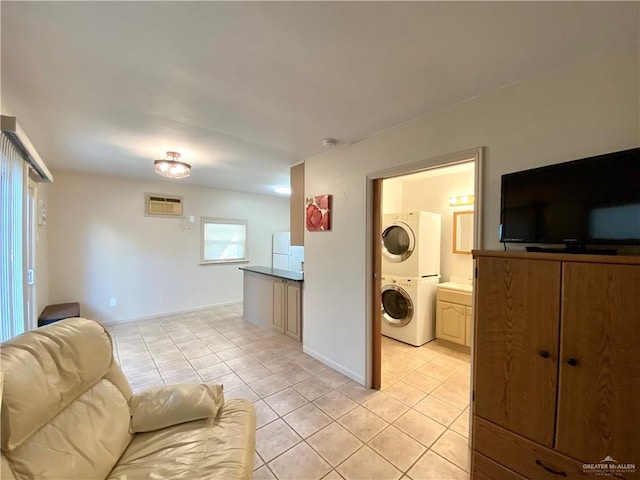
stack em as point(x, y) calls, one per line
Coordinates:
point(544, 354)
point(573, 362)
point(551, 470)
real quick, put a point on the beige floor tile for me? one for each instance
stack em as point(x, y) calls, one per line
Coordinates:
point(274, 439)
point(459, 380)
point(334, 443)
point(357, 392)
point(437, 371)
point(213, 371)
point(386, 407)
point(405, 393)
point(137, 368)
point(396, 370)
point(452, 395)
point(333, 379)
point(421, 381)
point(145, 378)
point(409, 360)
point(335, 404)
point(422, 428)
point(205, 361)
point(387, 381)
point(425, 354)
point(295, 374)
point(285, 401)
point(362, 423)
point(264, 355)
point(397, 447)
point(176, 368)
point(433, 467)
point(241, 362)
point(455, 448)
point(257, 461)
point(228, 381)
point(167, 357)
point(279, 364)
point(312, 388)
point(263, 473)
point(252, 374)
point(307, 420)
point(241, 392)
point(185, 377)
point(441, 412)
point(366, 464)
point(333, 475)
point(461, 425)
point(301, 462)
point(448, 360)
point(268, 385)
point(230, 353)
point(264, 413)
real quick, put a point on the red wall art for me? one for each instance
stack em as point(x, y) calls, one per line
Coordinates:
point(319, 213)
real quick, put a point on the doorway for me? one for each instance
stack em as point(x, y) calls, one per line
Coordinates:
point(375, 207)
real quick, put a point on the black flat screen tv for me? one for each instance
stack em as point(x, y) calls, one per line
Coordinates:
point(591, 201)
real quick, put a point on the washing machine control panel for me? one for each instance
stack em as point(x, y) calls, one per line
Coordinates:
point(406, 283)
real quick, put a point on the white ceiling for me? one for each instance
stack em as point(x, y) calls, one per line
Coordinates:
point(245, 89)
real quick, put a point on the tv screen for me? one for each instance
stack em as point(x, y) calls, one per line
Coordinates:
point(594, 200)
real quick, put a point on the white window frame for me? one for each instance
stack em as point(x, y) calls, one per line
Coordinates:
point(223, 221)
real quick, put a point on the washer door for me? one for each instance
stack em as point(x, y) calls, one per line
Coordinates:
point(397, 307)
point(398, 242)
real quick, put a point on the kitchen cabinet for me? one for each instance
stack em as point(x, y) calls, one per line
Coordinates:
point(453, 313)
point(287, 308)
point(557, 363)
point(297, 209)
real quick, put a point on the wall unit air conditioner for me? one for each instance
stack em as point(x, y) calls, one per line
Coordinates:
point(161, 205)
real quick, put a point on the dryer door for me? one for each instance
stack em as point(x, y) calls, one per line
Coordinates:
point(397, 307)
point(398, 242)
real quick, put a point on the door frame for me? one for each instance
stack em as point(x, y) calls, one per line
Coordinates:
point(373, 368)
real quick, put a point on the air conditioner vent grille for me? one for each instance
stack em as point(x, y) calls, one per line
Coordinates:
point(159, 205)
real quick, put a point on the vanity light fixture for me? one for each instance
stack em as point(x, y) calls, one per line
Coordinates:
point(172, 167)
point(461, 200)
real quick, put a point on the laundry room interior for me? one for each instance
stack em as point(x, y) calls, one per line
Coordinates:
point(426, 291)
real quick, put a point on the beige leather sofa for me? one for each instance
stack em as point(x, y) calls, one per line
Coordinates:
point(68, 413)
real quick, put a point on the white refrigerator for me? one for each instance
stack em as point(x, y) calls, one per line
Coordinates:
point(284, 256)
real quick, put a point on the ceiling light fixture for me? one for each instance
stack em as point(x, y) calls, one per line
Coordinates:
point(171, 167)
point(283, 190)
point(461, 200)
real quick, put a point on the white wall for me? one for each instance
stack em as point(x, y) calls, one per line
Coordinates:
point(392, 196)
point(584, 109)
point(432, 195)
point(102, 246)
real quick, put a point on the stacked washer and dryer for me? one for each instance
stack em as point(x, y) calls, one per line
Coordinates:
point(410, 275)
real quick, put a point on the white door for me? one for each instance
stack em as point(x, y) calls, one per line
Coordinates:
point(30, 258)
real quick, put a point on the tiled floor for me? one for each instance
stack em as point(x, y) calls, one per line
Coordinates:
point(312, 421)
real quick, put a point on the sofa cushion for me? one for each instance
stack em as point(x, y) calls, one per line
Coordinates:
point(59, 362)
point(162, 407)
point(221, 448)
point(82, 442)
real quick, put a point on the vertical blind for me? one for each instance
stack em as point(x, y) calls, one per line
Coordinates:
point(12, 181)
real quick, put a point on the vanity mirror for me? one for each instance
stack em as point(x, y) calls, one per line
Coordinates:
point(463, 231)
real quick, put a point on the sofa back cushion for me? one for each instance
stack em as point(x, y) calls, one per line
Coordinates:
point(62, 415)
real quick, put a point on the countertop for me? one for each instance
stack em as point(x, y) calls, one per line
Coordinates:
point(276, 272)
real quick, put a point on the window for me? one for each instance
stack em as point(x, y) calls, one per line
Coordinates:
point(12, 171)
point(224, 240)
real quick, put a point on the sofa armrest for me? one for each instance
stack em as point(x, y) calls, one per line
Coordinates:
point(161, 407)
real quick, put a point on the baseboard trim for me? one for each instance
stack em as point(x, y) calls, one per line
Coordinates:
point(164, 314)
point(327, 361)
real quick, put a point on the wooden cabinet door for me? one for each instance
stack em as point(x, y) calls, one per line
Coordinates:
point(293, 314)
point(516, 339)
point(599, 392)
point(278, 305)
point(450, 322)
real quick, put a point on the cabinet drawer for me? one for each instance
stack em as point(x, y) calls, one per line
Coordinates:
point(454, 296)
point(524, 456)
point(484, 468)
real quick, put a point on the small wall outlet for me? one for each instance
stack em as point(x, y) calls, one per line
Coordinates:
point(113, 302)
